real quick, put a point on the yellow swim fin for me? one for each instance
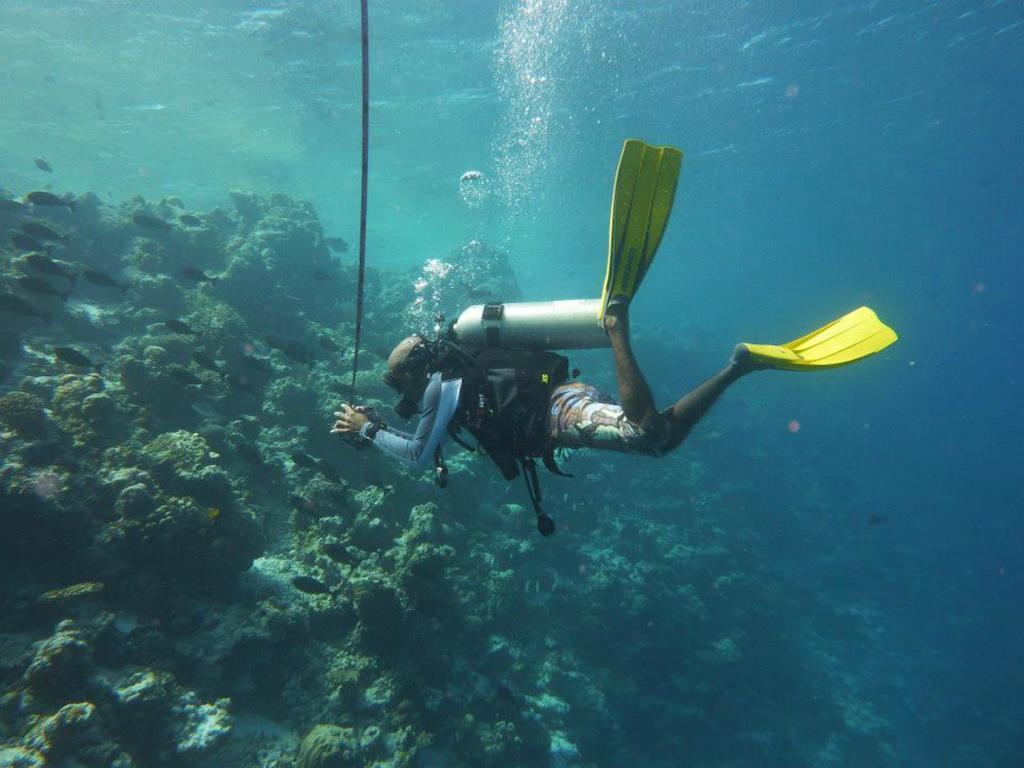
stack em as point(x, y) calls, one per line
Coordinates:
point(841, 342)
point(645, 186)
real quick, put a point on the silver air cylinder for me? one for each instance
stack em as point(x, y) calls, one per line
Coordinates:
point(570, 324)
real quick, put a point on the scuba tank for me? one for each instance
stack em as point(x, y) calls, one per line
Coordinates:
point(568, 324)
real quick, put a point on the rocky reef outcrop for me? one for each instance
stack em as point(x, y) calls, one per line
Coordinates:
point(198, 574)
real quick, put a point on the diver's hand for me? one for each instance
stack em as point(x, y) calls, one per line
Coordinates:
point(349, 420)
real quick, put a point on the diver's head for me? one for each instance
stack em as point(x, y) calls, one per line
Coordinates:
point(408, 369)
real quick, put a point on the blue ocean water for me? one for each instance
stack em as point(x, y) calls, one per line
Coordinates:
point(835, 155)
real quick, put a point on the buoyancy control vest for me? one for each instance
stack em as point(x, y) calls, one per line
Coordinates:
point(503, 403)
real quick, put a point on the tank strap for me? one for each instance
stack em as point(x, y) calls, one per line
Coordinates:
point(491, 321)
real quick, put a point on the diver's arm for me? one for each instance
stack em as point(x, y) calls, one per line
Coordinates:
point(402, 444)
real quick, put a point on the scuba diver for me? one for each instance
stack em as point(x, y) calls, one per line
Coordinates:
point(493, 374)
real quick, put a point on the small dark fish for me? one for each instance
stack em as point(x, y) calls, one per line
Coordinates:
point(328, 344)
point(183, 375)
point(310, 586)
point(197, 275)
point(337, 551)
point(250, 453)
point(29, 243)
point(322, 275)
point(241, 384)
point(328, 471)
point(296, 351)
point(256, 363)
point(72, 356)
point(336, 244)
point(180, 327)
point(40, 197)
point(47, 266)
point(148, 221)
point(42, 165)
point(505, 695)
point(189, 220)
point(16, 305)
point(876, 519)
point(203, 360)
point(11, 206)
point(303, 460)
point(41, 231)
point(43, 288)
point(103, 280)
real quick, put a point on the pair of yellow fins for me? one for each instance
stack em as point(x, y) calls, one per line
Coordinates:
point(645, 187)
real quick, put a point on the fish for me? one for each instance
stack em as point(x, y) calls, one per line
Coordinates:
point(103, 280)
point(206, 410)
point(203, 360)
point(197, 275)
point(310, 586)
point(183, 375)
point(39, 230)
point(250, 453)
point(42, 165)
point(337, 551)
point(39, 197)
point(189, 220)
point(303, 460)
point(29, 243)
point(41, 287)
point(72, 356)
point(256, 363)
point(328, 471)
point(15, 305)
point(505, 695)
point(336, 244)
point(47, 266)
point(177, 326)
point(241, 384)
point(328, 344)
point(11, 206)
point(296, 351)
point(876, 519)
point(148, 221)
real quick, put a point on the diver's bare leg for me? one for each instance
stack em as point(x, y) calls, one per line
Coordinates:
point(634, 393)
point(690, 408)
point(671, 426)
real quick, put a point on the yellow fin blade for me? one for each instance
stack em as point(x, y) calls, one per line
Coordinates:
point(852, 337)
point(645, 188)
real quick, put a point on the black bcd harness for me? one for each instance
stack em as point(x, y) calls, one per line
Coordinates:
point(503, 404)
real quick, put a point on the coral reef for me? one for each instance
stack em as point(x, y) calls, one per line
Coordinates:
point(232, 585)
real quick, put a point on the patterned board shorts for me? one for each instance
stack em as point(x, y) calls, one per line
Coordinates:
point(581, 416)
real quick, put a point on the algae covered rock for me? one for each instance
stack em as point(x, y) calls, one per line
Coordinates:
point(178, 453)
point(25, 413)
point(82, 409)
point(380, 611)
point(329, 746)
point(60, 663)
